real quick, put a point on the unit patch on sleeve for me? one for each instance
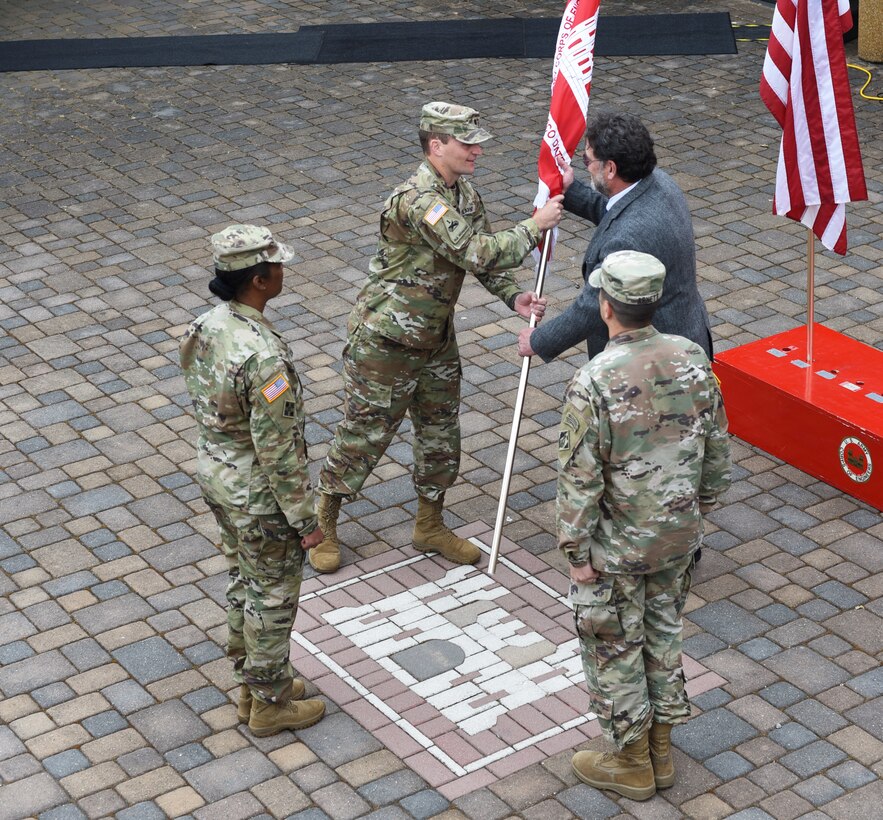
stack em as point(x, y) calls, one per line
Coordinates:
point(275, 388)
point(573, 428)
point(288, 410)
point(435, 213)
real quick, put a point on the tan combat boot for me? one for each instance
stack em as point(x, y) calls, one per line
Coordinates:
point(243, 712)
point(660, 755)
point(628, 772)
point(325, 556)
point(431, 534)
point(269, 718)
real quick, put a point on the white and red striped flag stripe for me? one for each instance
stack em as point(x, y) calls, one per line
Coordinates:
point(806, 88)
point(571, 86)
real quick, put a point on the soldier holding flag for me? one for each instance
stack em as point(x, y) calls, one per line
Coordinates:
point(401, 355)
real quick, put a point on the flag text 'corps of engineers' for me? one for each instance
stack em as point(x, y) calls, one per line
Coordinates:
point(571, 86)
point(806, 88)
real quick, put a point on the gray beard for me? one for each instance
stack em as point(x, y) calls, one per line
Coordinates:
point(601, 189)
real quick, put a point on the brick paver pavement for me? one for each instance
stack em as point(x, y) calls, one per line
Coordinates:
point(115, 697)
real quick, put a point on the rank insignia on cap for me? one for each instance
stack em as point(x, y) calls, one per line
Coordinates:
point(275, 388)
point(435, 213)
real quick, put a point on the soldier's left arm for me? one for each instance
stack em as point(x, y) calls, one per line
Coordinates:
point(276, 419)
point(716, 464)
point(580, 476)
point(469, 243)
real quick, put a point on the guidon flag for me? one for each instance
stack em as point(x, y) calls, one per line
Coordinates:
point(571, 86)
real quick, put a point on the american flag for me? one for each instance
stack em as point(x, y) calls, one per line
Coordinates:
point(806, 88)
point(275, 388)
point(571, 86)
point(435, 213)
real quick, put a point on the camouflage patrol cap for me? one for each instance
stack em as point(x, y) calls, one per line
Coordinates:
point(241, 246)
point(457, 120)
point(631, 277)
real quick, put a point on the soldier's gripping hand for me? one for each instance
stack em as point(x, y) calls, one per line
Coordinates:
point(313, 539)
point(528, 304)
point(550, 214)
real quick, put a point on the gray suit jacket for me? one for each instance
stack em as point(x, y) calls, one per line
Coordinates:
point(653, 217)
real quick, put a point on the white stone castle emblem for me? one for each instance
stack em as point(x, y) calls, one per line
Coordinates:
point(451, 644)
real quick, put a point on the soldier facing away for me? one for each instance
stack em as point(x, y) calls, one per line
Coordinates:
point(401, 354)
point(643, 453)
point(253, 470)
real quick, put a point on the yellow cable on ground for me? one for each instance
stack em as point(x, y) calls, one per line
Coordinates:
point(867, 83)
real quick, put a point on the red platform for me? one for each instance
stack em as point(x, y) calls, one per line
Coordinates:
point(825, 419)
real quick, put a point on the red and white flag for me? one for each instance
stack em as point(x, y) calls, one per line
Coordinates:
point(571, 86)
point(806, 88)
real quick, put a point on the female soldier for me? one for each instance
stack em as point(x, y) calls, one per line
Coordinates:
point(253, 470)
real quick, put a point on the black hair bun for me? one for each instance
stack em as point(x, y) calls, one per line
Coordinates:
point(221, 289)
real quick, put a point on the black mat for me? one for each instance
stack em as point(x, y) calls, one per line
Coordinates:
point(648, 34)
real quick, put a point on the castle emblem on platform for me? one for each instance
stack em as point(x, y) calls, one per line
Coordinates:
point(454, 645)
point(855, 459)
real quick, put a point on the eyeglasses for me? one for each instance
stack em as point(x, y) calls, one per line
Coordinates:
point(590, 162)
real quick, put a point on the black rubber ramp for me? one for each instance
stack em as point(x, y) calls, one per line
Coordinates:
point(639, 35)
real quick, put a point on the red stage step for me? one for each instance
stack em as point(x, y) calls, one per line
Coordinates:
point(825, 418)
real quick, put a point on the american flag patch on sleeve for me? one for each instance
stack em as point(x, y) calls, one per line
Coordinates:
point(275, 388)
point(435, 213)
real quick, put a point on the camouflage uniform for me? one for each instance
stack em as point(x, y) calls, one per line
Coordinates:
point(401, 354)
point(253, 470)
point(643, 449)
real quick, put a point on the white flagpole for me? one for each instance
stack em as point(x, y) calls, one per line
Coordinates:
point(516, 416)
point(810, 293)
